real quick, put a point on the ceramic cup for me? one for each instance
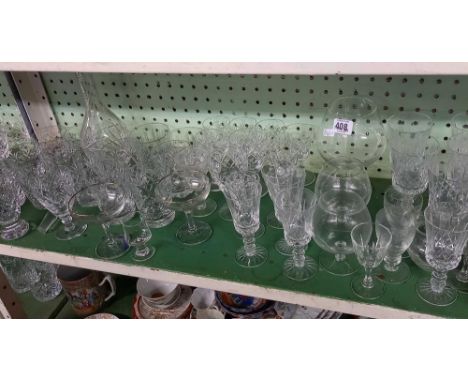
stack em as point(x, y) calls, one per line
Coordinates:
point(85, 288)
point(158, 294)
point(203, 302)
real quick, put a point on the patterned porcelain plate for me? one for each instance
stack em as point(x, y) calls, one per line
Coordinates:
point(180, 309)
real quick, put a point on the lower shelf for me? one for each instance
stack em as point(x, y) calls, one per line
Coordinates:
point(211, 265)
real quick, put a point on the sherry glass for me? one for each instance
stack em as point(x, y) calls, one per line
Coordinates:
point(408, 135)
point(139, 234)
point(183, 190)
point(336, 214)
point(298, 233)
point(446, 237)
point(243, 192)
point(11, 200)
point(112, 207)
point(351, 129)
point(344, 174)
point(394, 271)
point(370, 245)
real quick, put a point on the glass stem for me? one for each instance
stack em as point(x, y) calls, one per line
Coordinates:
point(438, 281)
point(109, 236)
point(192, 227)
point(462, 275)
point(141, 250)
point(67, 222)
point(202, 205)
point(340, 257)
point(298, 253)
point(249, 245)
point(368, 281)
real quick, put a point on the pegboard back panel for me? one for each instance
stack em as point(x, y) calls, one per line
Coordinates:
point(184, 101)
point(9, 111)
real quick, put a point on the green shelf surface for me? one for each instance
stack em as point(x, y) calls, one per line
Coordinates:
point(40, 310)
point(214, 260)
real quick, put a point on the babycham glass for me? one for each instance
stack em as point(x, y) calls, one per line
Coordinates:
point(370, 246)
point(139, 235)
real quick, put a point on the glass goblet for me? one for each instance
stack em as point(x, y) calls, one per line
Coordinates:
point(12, 227)
point(183, 190)
point(446, 237)
point(352, 130)
point(243, 192)
point(347, 174)
point(139, 235)
point(370, 246)
point(336, 214)
point(112, 207)
point(408, 135)
point(48, 286)
point(21, 273)
point(394, 271)
point(298, 232)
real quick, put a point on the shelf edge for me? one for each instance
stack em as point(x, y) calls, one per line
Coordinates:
point(344, 306)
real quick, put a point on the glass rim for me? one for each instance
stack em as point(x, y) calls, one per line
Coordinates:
point(392, 125)
point(463, 219)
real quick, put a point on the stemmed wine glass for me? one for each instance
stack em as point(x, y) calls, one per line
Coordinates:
point(394, 271)
point(336, 214)
point(112, 206)
point(408, 136)
point(297, 223)
point(183, 190)
point(242, 191)
point(370, 254)
point(446, 236)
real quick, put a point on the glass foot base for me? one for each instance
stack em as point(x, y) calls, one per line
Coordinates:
point(399, 276)
point(283, 247)
point(306, 272)
point(224, 213)
point(205, 209)
point(15, 231)
point(202, 233)
point(309, 179)
point(163, 221)
point(337, 267)
point(144, 255)
point(444, 298)
point(273, 222)
point(254, 260)
point(61, 234)
point(109, 251)
point(457, 280)
point(367, 293)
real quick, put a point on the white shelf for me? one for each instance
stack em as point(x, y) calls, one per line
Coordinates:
point(135, 270)
point(307, 68)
